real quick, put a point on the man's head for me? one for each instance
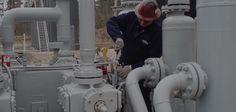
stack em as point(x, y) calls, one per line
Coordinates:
point(147, 11)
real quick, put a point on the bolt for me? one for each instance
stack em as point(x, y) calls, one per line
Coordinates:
point(100, 94)
point(185, 68)
point(190, 77)
point(152, 77)
point(204, 87)
point(176, 92)
point(89, 101)
point(189, 89)
point(179, 67)
point(153, 69)
point(111, 100)
point(185, 96)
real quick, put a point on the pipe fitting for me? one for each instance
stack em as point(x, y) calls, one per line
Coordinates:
point(196, 78)
point(157, 71)
point(188, 82)
point(151, 72)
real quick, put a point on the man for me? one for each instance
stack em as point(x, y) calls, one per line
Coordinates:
point(139, 36)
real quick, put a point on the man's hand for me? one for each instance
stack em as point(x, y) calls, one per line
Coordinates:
point(119, 43)
point(123, 72)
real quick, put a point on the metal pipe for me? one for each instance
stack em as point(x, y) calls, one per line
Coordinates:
point(87, 34)
point(23, 14)
point(63, 24)
point(9, 76)
point(164, 90)
point(189, 79)
point(60, 14)
point(133, 89)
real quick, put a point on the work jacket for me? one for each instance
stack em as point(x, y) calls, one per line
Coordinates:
point(139, 43)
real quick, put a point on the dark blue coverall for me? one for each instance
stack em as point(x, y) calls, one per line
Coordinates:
point(139, 43)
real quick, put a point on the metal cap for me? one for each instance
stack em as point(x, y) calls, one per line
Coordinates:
point(178, 5)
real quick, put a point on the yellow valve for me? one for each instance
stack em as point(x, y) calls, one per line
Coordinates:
point(104, 54)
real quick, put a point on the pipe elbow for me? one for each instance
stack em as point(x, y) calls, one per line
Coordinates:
point(137, 74)
point(164, 90)
point(133, 89)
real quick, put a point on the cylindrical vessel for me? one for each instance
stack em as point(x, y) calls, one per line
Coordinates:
point(178, 40)
point(216, 52)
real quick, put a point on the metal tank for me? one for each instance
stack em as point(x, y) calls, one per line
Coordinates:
point(178, 44)
point(178, 35)
point(216, 52)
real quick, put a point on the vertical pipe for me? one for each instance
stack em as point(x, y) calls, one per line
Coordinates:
point(216, 52)
point(133, 89)
point(87, 31)
point(63, 24)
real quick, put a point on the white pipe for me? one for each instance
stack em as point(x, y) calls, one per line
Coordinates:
point(133, 89)
point(60, 14)
point(165, 88)
point(9, 76)
point(87, 31)
point(63, 24)
point(23, 14)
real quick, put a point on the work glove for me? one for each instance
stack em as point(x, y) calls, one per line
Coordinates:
point(123, 72)
point(119, 43)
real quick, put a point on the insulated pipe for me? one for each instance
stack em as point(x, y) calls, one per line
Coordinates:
point(23, 14)
point(133, 89)
point(164, 90)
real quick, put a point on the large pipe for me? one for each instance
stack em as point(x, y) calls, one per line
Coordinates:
point(164, 90)
point(23, 14)
point(58, 14)
point(133, 89)
point(189, 79)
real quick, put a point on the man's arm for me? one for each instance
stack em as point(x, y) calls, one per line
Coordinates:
point(116, 25)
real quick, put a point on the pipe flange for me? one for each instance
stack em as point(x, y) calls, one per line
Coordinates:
point(197, 79)
point(158, 71)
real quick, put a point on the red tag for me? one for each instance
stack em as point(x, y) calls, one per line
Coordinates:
point(6, 60)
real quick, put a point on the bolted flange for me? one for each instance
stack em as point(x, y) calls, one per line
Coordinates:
point(196, 79)
point(157, 71)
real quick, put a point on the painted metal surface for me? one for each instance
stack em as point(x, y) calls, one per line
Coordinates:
point(5, 101)
point(25, 14)
point(178, 40)
point(216, 53)
point(188, 82)
point(36, 91)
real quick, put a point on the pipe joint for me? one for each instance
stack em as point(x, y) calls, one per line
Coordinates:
point(157, 72)
point(195, 82)
point(188, 82)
